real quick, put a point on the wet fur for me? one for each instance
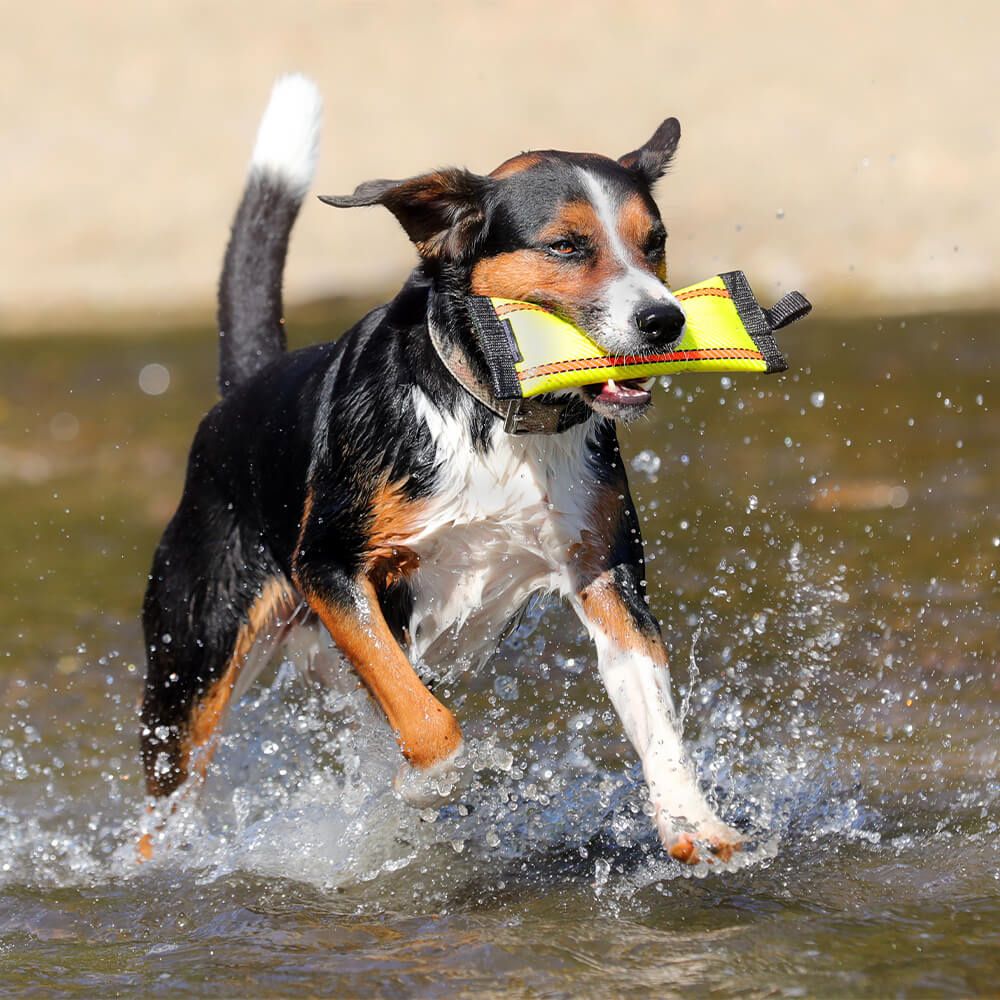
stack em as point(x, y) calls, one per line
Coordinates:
point(358, 484)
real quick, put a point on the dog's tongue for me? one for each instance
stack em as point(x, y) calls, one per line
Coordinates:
point(629, 391)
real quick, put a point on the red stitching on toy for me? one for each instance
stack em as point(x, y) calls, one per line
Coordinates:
point(676, 357)
point(720, 293)
point(509, 307)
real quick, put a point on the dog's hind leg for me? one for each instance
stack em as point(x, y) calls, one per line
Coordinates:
point(209, 599)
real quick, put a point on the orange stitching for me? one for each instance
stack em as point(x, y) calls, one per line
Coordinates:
point(721, 293)
point(509, 307)
point(675, 357)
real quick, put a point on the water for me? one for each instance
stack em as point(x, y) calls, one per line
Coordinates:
point(824, 551)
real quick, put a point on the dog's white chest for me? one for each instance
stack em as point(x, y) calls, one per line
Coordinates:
point(496, 531)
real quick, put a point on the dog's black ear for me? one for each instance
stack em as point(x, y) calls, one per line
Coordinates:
point(652, 160)
point(442, 212)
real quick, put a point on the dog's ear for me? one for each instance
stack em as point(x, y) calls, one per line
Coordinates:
point(652, 160)
point(442, 212)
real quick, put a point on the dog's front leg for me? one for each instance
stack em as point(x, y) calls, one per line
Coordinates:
point(632, 662)
point(427, 732)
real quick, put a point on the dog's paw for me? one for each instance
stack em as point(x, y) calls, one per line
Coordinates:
point(710, 842)
point(144, 848)
point(434, 786)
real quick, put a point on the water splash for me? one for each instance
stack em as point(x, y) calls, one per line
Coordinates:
point(301, 785)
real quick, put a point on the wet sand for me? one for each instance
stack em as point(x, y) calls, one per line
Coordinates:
point(850, 150)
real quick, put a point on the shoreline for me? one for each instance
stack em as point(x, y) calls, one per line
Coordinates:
point(129, 323)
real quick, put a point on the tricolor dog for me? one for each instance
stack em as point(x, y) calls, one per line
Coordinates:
point(370, 487)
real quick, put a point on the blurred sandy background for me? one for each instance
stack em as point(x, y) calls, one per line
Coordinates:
point(851, 149)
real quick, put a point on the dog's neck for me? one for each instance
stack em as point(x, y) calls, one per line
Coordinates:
point(449, 327)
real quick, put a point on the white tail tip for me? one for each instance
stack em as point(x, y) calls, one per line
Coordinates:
point(288, 136)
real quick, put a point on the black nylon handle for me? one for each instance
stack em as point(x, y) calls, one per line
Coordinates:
point(787, 310)
point(497, 343)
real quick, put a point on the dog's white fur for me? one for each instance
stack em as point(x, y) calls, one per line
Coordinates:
point(496, 530)
point(287, 145)
point(631, 287)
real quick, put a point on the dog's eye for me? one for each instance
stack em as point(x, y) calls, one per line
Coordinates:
point(563, 248)
point(655, 245)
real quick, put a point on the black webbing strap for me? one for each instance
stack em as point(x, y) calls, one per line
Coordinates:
point(519, 416)
point(755, 319)
point(789, 308)
point(496, 340)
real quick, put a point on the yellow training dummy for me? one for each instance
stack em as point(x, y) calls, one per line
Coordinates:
point(532, 351)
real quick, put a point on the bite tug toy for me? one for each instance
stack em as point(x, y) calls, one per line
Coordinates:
point(531, 351)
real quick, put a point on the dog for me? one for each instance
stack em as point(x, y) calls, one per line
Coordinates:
point(373, 486)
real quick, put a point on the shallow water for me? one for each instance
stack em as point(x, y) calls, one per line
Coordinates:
point(824, 551)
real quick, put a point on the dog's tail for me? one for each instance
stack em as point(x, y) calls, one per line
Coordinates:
point(251, 327)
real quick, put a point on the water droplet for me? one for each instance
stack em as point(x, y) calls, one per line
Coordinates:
point(817, 399)
point(154, 379)
point(64, 427)
point(505, 688)
point(602, 869)
point(646, 462)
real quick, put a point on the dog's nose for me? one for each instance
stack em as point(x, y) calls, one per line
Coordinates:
point(661, 322)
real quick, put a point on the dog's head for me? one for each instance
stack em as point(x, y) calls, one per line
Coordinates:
point(576, 233)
